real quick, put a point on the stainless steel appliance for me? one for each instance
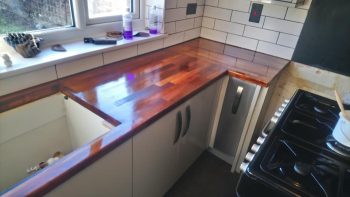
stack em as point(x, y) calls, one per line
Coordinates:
point(299, 157)
point(237, 103)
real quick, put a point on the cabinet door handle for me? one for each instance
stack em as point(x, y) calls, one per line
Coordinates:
point(237, 99)
point(188, 120)
point(178, 126)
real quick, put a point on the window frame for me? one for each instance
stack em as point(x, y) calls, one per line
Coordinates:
point(135, 9)
point(81, 28)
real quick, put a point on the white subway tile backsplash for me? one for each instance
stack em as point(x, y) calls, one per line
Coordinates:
point(149, 46)
point(240, 5)
point(287, 40)
point(274, 11)
point(191, 34)
point(198, 22)
point(118, 55)
point(79, 65)
point(208, 22)
point(218, 13)
point(297, 15)
point(200, 2)
point(276, 50)
point(170, 28)
point(174, 39)
point(26, 80)
point(184, 25)
point(283, 26)
point(213, 35)
point(170, 4)
point(243, 18)
point(261, 34)
point(227, 21)
point(229, 27)
point(183, 3)
point(212, 2)
point(175, 14)
point(241, 41)
point(199, 12)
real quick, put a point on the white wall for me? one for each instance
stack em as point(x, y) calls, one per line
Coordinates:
point(277, 33)
point(178, 25)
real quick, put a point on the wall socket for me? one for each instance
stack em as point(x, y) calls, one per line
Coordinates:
point(191, 8)
point(255, 13)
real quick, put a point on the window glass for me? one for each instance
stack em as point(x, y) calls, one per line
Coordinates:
point(107, 8)
point(27, 15)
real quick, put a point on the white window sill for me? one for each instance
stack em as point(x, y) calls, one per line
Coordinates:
point(75, 50)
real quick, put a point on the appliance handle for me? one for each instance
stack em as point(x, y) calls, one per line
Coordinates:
point(237, 99)
point(178, 126)
point(188, 120)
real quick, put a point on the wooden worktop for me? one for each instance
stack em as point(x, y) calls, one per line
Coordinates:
point(133, 93)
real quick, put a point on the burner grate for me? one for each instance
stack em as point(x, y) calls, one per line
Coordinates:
point(317, 106)
point(307, 128)
point(307, 172)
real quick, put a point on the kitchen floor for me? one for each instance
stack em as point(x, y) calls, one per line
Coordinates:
point(208, 176)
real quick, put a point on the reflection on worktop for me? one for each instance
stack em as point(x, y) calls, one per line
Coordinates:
point(142, 86)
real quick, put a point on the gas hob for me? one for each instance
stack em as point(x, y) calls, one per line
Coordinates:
point(299, 157)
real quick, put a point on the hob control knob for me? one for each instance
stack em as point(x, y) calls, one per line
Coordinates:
point(281, 109)
point(284, 105)
point(243, 166)
point(249, 156)
point(286, 101)
point(274, 119)
point(278, 114)
point(255, 148)
point(260, 140)
point(264, 134)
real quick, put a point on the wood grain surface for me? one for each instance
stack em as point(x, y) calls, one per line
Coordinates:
point(132, 94)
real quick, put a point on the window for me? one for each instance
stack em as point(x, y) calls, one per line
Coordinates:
point(29, 15)
point(55, 20)
point(101, 11)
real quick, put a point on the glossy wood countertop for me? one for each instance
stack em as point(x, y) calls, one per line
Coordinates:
point(133, 93)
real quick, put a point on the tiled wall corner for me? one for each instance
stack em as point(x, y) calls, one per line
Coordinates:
point(179, 26)
point(277, 33)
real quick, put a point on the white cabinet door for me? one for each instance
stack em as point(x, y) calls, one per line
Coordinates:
point(109, 176)
point(157, 161)
point(197, 116)
point(155, 157)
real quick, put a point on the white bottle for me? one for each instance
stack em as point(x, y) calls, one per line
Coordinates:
point(153, 21)
point(127, 25)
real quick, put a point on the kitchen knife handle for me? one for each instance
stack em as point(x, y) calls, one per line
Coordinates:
point(237, 99)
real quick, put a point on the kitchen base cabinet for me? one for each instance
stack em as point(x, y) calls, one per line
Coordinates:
point(155, 157)
point(164, 150)
point(111, 175)
point(197, 114)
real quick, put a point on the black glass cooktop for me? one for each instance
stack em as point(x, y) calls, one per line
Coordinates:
point(300, 157)
point(305, 172)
